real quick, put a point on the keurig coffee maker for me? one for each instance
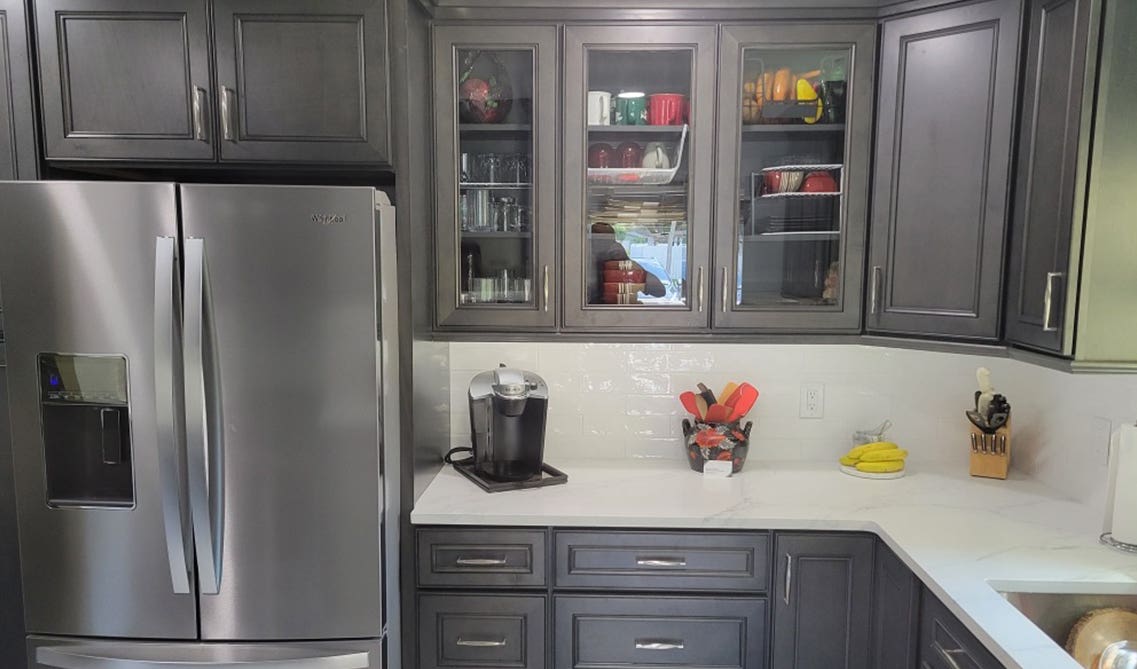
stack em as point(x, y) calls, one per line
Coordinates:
point(507, 423)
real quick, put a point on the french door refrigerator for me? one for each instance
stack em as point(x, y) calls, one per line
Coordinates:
point(201, 382)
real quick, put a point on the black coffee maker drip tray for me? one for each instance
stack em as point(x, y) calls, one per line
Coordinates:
point(549, 475)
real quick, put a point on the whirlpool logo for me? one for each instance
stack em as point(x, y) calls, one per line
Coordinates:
point(327, 219)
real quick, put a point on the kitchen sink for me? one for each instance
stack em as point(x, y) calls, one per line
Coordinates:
point(1056, 612)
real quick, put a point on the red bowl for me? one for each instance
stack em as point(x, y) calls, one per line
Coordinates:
point(623, 276)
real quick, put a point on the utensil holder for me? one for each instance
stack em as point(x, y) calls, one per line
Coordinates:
point(991, 453)
point(716, 441)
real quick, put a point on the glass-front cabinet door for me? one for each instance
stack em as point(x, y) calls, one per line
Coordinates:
point(638, 135)
point(496, 176)
point(795, 122)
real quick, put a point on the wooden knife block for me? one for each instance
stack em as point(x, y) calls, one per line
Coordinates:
point(990, 453)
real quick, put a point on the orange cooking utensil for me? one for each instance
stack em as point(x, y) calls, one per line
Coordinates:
point(688, 400)
point(702, 405)
point(718, 413)
point(727, 391)
point(747, 396)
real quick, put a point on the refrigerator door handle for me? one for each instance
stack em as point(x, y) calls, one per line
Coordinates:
point(203, 420)
point(171, 467)
point(196, 656)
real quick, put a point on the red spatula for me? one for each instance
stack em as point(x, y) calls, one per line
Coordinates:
point(718, 413)
point(747, 396)
point(688, 400)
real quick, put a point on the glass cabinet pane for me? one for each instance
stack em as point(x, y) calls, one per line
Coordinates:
point(637, 177)
point(792, 165)
point(493, 94)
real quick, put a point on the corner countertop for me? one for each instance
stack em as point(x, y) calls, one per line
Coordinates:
point(963, 537)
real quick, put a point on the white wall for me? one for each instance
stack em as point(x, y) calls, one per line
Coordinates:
point(620, 401)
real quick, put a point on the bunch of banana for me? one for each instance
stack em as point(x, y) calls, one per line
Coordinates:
point(879, 457)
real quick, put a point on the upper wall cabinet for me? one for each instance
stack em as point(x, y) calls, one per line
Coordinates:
point(1051, 175)
point(638, 142)
point(301, 81)
point(296, 81)
point(945, 119)
point(495, 162)
point(124, 79)
point(794, 128)
point(17, 124)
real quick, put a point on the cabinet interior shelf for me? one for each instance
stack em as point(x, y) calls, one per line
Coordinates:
point(801, 235)
point(797, 194)
point(494, 128)
point(493, 186)
point(494, 234)
point(648, 129)
point(778, 128)
point(803, 167)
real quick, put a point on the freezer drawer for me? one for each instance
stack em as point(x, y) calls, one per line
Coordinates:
point(663, 560)
point(608, 632)
point(481, 557)
point(67, 653)
point(481, 631)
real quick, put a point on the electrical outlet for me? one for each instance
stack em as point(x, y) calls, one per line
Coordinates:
point(812, 401)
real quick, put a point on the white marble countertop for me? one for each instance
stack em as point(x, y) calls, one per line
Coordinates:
point(963, 537)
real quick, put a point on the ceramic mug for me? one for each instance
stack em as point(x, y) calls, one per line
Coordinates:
point(599, 108)
point(666, 109)
point(655, 157)
point(600, 155)
point(629, 155)
point(631, 109)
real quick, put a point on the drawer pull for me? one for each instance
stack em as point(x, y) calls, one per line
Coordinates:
point(480, 643)
point(661, 562)
point(480, 562)
point(949, 655)
point(659, 644)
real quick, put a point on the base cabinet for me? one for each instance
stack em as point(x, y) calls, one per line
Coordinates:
point(481, 630)
point(17, 127)
point(896, 612)
point(945, 643)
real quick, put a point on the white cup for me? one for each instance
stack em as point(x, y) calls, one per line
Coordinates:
point(599, 108)
point(655, 157)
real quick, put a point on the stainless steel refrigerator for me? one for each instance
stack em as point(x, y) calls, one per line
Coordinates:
point(203, 404)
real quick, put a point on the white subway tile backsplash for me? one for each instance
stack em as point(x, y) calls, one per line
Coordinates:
point(610, 400)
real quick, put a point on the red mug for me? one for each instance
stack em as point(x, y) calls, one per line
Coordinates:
point(819, 182)
point(629, 155)
point(600, 155)
point(666, 109)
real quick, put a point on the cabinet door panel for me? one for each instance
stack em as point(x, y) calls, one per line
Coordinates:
point(124, 79)
point(942, 169)
point(823, 593)
point(301, 81)
point(946, 643)
point(1050, 166)
point(17, 125)
point(896, 612)
point(790, 243)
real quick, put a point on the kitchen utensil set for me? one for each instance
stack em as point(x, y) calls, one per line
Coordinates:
point(990, 429)
point(734, 402)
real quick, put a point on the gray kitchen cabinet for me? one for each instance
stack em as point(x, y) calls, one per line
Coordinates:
point(301, 81)
point(790, 237)
point(17, 120)
point(895, 612)
point(496, 176)
point(945, 120)
point(636, 240)
point(945, 643)
point(125, 79)
point(481, 558)
point(658, 632)
point(459, 630)
point(821, 600)
point(1051, 173)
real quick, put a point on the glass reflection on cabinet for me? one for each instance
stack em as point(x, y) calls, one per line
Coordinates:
point(494, 94)
point(637, 180)
point(791, 171)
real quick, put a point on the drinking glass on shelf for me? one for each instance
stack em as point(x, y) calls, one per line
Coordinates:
point(501, 213)
point(483, 291)
point(480, 211)
point(465, 168)
point(490, 168)
point(517, 168)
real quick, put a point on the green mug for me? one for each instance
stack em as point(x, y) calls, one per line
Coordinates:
point(631, 109)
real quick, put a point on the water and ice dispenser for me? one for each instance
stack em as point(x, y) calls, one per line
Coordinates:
point(85, 413)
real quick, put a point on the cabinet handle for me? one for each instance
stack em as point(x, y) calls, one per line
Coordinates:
point(701, 287)
point(725, 301)
point(660, 644)
point(1048, 301)
point(199, 114)
point(874, 299)
point(480, 562)
point(227, 109)
point(661, 562)
point(480, 643)
point(545, 288)
point(949, 655)
point(789, 578)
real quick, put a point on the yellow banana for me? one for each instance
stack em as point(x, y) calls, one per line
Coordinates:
point(848, 462)
point(859, 451)
point(886, 467)
point(884, 455)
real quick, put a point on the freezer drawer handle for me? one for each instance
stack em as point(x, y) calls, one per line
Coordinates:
point(205, 445)
point(480, 643)
point(480, 562)
point(659, 644)
point(167, 325)
point(196, 656)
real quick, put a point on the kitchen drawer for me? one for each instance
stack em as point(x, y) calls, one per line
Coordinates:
point(946, 644)
point(663, 560)
point(478, 558)
point(457, 630)
point(599, 632)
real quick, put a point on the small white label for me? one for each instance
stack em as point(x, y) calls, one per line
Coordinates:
point(718, 468)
